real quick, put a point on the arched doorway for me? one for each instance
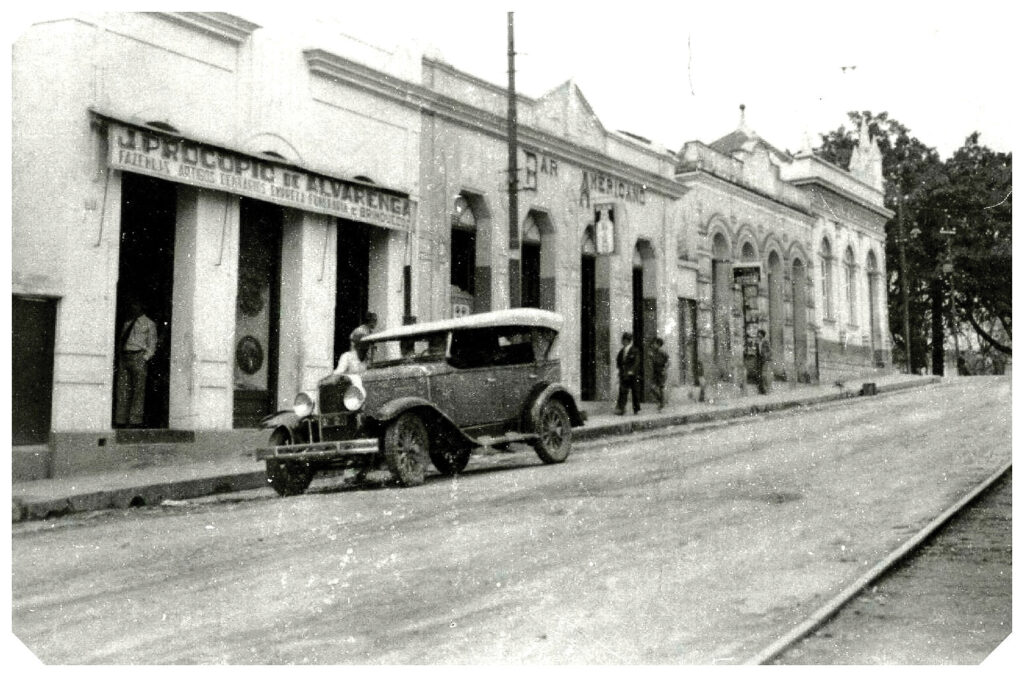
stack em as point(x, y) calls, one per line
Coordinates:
point(645, 307)
point(721, 302)
point(588, 317)
point(538, 262)
point(530, 297)
point(470, 270)
point(776, 309)
point(799, 318)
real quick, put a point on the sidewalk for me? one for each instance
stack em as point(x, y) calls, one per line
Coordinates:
point(40, 499)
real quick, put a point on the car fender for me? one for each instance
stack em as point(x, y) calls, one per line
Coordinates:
point(289, 420)
point(543, 392)
point(286, 418)
point(377, 422)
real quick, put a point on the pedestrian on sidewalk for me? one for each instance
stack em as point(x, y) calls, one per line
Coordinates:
point(764, 363)
point(659, 371)
point(628, 362)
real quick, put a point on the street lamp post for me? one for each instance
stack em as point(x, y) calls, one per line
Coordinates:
point(948, 269)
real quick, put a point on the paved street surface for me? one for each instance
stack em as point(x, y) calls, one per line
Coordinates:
point(696, 549)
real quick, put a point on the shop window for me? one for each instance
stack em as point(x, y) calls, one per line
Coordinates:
point(850, 269)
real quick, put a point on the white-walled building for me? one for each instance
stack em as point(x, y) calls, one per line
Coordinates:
point(261, 190)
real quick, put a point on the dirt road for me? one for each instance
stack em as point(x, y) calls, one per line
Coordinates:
point(695, 549)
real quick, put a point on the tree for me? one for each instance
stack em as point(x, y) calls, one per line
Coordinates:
point(971, 192)
point(979, 202)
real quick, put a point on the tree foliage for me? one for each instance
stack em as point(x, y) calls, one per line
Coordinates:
point(970, 193)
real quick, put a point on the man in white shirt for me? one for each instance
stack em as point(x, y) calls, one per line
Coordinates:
point(351, 362)
point(136, 346)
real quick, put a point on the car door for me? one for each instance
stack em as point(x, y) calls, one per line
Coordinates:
point(470, 387)
point(515, 373)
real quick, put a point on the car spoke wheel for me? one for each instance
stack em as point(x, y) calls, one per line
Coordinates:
point(406, 449)
point(555, 432)
point(450, 461)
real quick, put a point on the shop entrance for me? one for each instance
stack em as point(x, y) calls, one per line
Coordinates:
point(33, 322)
point(688, 341)
point(146, 275)
point(588, 323)
point(257, 311)
point(352, 300)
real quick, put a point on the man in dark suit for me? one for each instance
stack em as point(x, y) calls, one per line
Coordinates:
point(629, 363)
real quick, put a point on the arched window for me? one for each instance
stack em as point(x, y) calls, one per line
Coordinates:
point(531, 273)
point(463, 272)
point(826, 280)
point(850, 270)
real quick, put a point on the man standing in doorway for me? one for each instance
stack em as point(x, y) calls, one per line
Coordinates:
point(628, 363)
point(368, 326)
point(136, 346)
point(764, 363)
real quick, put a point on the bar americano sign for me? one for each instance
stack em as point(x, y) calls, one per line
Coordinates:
point(197, 164)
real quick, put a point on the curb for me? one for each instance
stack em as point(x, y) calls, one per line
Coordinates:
point(27, 508)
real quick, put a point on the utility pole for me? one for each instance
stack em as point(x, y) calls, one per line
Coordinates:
point(903, 279)
point(514, 271)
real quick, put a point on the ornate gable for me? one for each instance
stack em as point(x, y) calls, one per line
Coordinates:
point(566, 112)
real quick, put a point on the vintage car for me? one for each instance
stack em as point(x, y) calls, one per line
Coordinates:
point(432, 392)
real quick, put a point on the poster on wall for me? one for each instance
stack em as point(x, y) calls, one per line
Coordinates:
point(747, 281)
point(604, 229)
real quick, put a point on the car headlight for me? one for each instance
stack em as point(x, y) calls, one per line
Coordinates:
point(355, 394)
point(354, 397)
point(303, 405)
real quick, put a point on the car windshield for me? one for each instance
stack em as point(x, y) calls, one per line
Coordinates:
point(424, 348)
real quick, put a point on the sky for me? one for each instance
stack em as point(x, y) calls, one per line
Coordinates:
point(678, 71)
point(674, 72)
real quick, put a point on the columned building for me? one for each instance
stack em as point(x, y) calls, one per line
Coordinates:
point(790, 244)
point(210, 170)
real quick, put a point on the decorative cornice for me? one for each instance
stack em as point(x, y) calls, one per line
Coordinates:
point(339, 69)
point(741, 190)
point(831, 187)
point(227, 27)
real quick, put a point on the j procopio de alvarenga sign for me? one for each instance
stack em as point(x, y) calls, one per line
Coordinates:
point(152, 153)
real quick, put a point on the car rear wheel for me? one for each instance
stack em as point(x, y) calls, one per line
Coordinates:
point(287, 478)
point(406, 449)
point(555, 432)
point(450, 461)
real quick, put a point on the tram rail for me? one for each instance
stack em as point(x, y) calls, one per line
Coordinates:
point(886, 565)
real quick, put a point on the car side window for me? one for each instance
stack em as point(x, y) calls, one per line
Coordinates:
point(473, 348)
point(515, 346)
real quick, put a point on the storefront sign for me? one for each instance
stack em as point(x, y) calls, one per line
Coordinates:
point(174, 159)
point(602, 184)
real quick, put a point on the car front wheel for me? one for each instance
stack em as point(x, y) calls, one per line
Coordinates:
point(555, 432)
point(406, 449)
point(288, 478)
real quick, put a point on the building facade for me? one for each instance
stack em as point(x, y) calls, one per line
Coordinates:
point(260, 191)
